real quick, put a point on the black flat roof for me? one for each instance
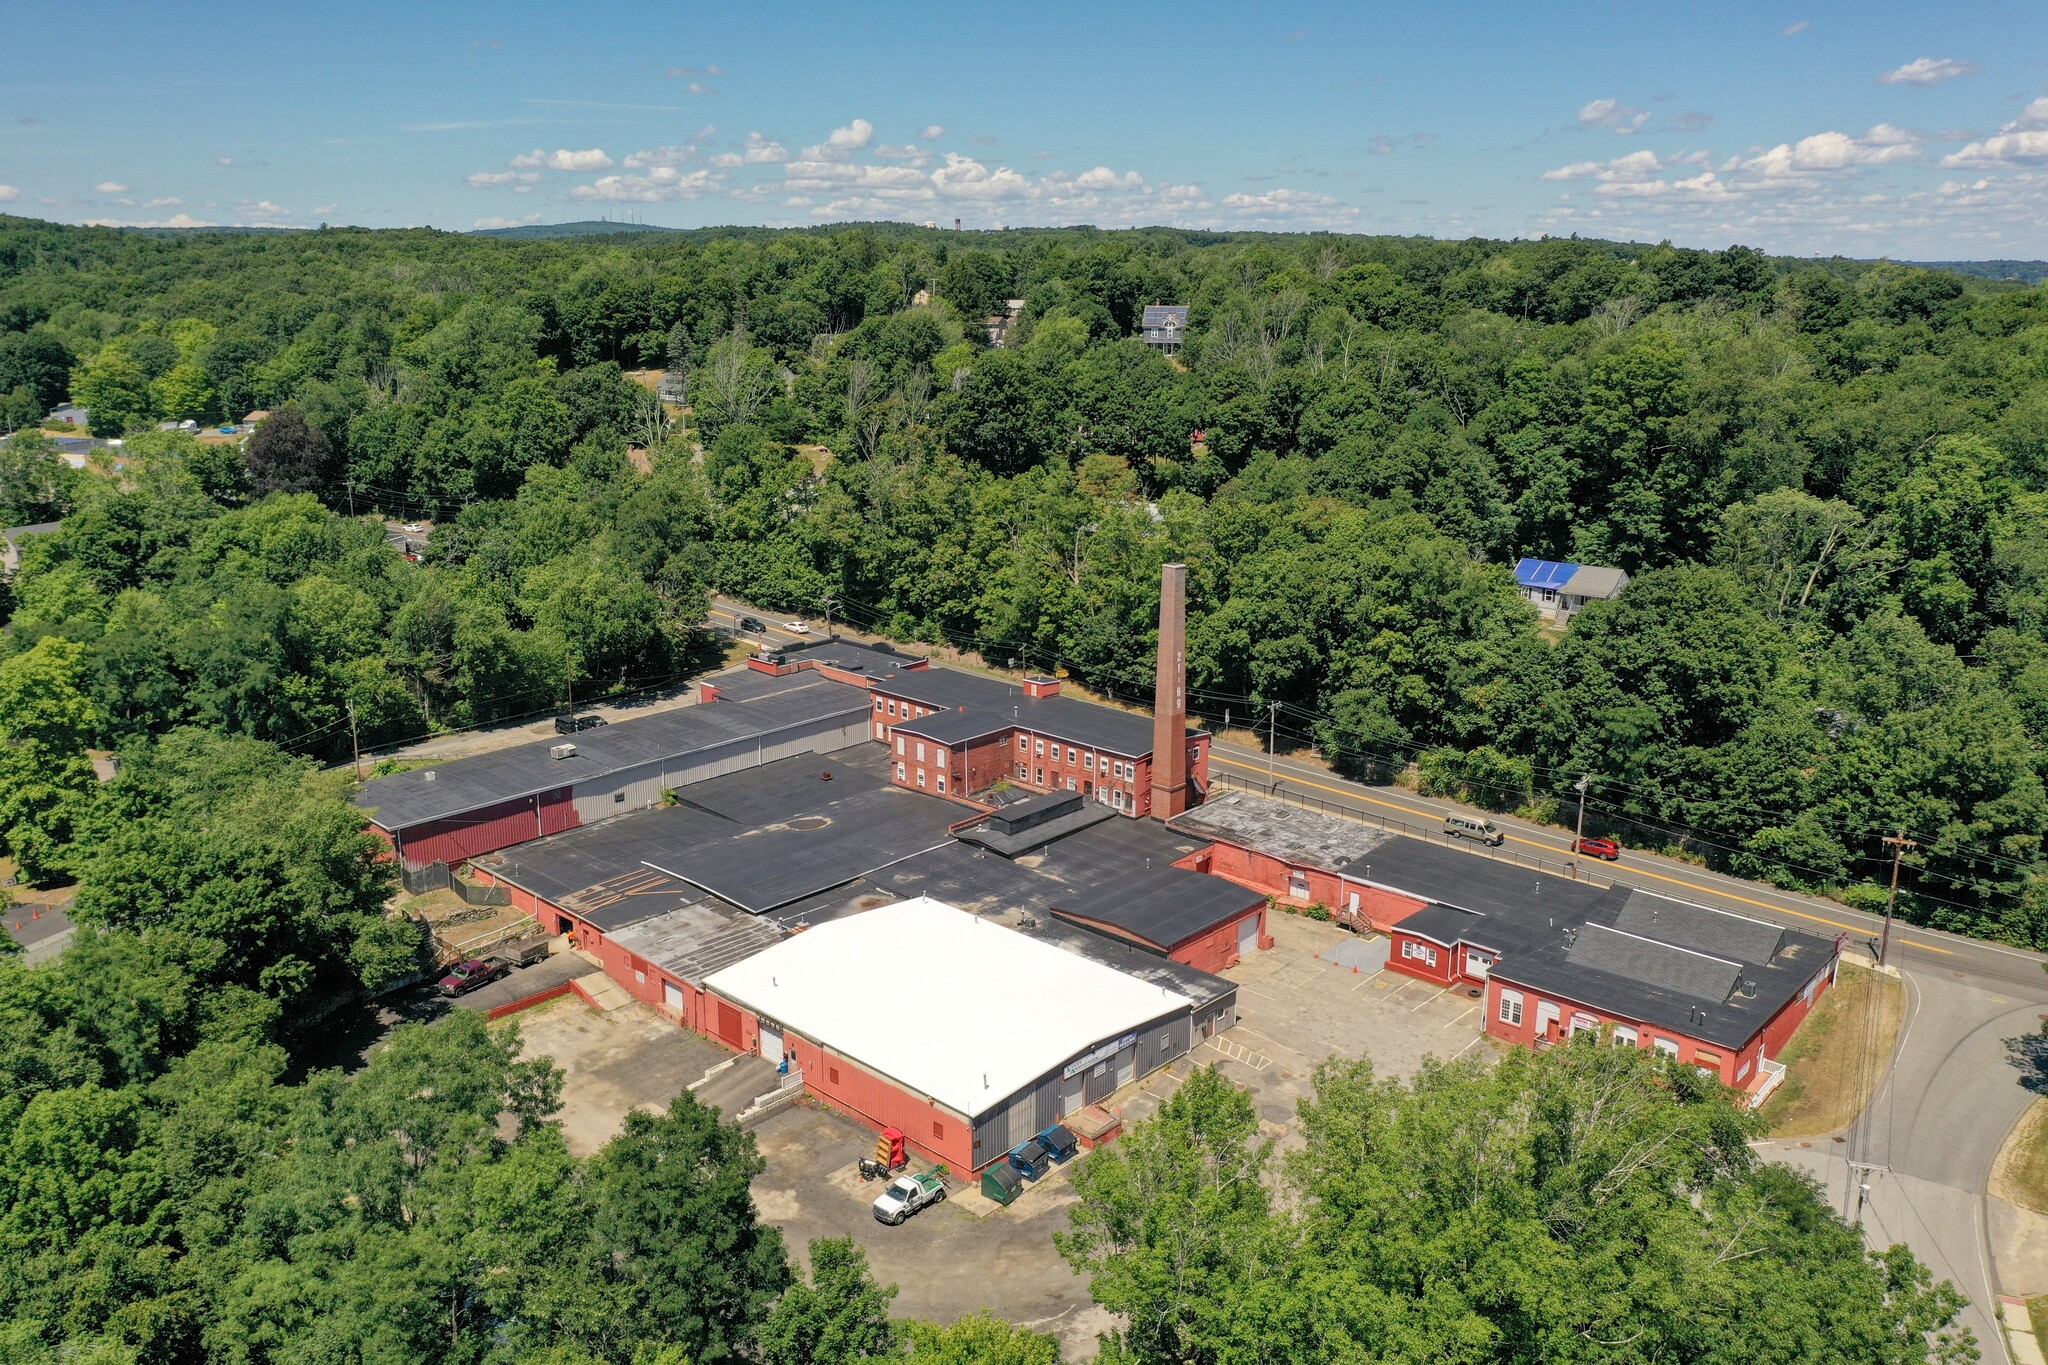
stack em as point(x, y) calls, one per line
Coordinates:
point(1706, 973)
point(462, 785)
point(1160, 906)
point(759, 839)
point(849, 655)
point(969, 705)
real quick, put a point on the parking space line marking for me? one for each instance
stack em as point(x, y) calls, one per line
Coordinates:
point(1427, 999)
point(1466, 1015)
point(1476, 1041)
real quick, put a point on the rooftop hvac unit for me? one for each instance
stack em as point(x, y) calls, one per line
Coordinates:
point(561, 751)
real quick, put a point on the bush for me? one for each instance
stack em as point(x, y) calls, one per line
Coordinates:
point(1318, 911)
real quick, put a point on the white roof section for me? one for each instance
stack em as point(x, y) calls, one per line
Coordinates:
point(950, 1005)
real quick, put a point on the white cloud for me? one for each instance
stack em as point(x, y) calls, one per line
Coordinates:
point(1791, 29)
point(262, 210)
point(507, 222)
point(676, 72)
point(1831, 151)
point(167, 203)
point(2034, 115)
point(518, 181)
point(1290, 208)
point(322, 210)
point(1103, 178)
point(1928, 71)
point(661, 182)
point(843, 143)
point(758, 150)
point(176, 220)
point(111, 187)
point(831, 177)
point(661, 156)
point(9, 193)
point(1622, 118)
point(1634, 166)
point(592, 159)
point(933, 132)
point(223, 161)
point(2006, 149)
point(963, 177)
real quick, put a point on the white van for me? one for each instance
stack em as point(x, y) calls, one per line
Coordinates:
point(1465, 827)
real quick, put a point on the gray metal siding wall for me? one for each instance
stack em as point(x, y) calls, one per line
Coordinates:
point(1037, 1106)
point(644, 783)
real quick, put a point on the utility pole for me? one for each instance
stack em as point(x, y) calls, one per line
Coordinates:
point(827, 603)
point(569, 676)
point(355, 747)
point(351, 499)
point(1580, 838)
point(1900, 844)
point(1860, 1172)
point(1272, 743)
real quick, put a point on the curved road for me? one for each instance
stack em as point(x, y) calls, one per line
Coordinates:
point(1957, 1082)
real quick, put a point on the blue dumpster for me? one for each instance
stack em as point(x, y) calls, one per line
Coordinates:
point(1029, 1159)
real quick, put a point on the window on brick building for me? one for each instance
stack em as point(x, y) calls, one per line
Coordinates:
point(1041, 746)
point(899, 746)
point(1024, 743)
point(892, 709)
point(1511, 1007)
point(1088, 762)
point(1023, 772)
point(899, 772)
point(1070, 753)
point(1624, 1036)
point(833, 1071)
point(1038, 776)
point(942, 781)
point(920, 751)
point(1665, 1045)
point(920, 777)
point(938, 1129)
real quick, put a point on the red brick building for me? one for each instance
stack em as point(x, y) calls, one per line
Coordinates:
point(958, 734)
point(1719, 991)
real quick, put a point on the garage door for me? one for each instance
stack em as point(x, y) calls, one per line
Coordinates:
point(1247, 936)
point(771, 1042)
point(728, 1024)
point(1126, 1066)
point(671, 995)
point(1070, 1094)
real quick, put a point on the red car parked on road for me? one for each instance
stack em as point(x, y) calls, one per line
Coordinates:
point(465, 977)
point(1598, 848)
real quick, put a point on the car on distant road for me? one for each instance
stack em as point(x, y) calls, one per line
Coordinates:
point(569, 725)
point(1598, 848)
point(753, 623)
point(465, 977)
point(414, 527)
point(796, 628)
point(907, 1194)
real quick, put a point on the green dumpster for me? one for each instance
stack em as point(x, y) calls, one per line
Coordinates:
point(1001, 1182)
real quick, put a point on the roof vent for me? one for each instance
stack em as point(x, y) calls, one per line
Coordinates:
point(561, 751)
point(1747, 987)
point(427, 776)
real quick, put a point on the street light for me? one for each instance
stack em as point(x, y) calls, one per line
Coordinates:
point(1580, 838)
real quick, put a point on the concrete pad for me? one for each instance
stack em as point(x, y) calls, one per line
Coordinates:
point(2019, 1248)
point(1364, 956)
point(613, 1063)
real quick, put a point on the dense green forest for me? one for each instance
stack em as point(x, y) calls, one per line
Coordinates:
point(1827, 479)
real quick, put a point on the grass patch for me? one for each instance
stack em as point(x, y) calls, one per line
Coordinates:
point(2020, 1175)
point(1834, 1061)
point(2037, 1319)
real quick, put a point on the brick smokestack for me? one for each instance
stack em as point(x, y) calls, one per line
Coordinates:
point(1170, 704)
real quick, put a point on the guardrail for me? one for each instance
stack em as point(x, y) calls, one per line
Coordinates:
point(1278, 791)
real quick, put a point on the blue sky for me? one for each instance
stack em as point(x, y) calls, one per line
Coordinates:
point(1917, 131)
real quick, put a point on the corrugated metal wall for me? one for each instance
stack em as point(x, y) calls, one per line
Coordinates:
point(1037, 1106)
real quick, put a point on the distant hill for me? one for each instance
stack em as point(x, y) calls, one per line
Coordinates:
point(2027, 272)
point(530, 231)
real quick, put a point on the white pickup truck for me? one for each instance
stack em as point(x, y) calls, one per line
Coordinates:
point(907, 1194)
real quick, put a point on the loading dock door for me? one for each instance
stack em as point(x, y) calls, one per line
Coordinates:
point(671, 995)
point(1247, 936)
point(1070, 1094)
point(1126, 1066)
point(771, 1043)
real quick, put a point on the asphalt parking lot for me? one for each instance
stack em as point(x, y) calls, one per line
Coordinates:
point(946, 1261)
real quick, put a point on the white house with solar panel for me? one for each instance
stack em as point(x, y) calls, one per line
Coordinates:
point(1560, 590)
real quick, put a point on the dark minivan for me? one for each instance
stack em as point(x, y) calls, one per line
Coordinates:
point(569, 725)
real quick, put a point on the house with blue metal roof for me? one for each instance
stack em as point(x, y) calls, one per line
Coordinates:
point(1559, 590)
